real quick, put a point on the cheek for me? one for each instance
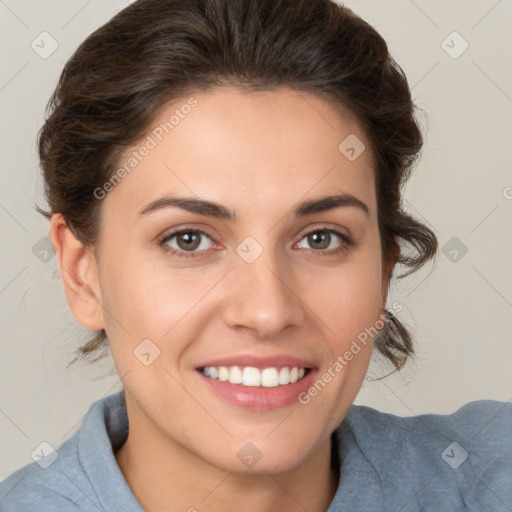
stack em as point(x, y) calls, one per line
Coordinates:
point(350, 298)
point(149, 301)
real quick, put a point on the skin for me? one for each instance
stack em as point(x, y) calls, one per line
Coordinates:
point(257, 154)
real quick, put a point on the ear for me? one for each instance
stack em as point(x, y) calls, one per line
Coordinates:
point(388, 270)
point(80, 275)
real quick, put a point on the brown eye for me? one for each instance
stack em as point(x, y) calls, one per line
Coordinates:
point(323, 239)
point(188, 241)
point(192, 241)
point(319, 239)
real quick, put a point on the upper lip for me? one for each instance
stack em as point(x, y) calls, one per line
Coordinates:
point(277, 361)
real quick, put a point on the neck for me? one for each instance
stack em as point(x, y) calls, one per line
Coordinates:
point(165, 476)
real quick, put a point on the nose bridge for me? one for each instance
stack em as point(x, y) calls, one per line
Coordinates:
point(261, 295)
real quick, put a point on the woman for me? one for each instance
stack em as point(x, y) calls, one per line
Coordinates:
point(224, 187)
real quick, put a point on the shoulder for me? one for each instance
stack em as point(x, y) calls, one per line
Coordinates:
point(488, 420)
point(461, 456)
point(53, 481)
point(82, 474)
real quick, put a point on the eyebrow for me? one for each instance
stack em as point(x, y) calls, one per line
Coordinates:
point(213, 209)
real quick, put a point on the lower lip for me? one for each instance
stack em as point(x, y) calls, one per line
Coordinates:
point(259, 398)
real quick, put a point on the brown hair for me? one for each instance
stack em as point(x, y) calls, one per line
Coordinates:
point(157, 50)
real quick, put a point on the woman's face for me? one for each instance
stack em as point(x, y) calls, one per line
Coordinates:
point(269, 278)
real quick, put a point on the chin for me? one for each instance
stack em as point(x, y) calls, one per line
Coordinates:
point(264, 456)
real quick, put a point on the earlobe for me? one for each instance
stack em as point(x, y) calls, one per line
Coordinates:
point(79, 272)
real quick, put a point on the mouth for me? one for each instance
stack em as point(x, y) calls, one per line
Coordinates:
point(257, 384)
point(250, 376)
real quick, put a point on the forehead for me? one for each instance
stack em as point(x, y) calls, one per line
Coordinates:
point(260, 150)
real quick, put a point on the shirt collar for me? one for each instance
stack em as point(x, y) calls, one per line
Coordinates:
point(105, 428)
point(103, 431)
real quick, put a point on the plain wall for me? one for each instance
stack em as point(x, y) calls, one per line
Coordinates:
point(460, 311)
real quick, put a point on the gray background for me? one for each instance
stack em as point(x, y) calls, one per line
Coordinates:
point(460, 310)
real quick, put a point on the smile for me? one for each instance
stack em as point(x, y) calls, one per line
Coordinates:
point(255, 377)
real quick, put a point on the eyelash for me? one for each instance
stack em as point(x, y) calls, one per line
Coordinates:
point(162, 241)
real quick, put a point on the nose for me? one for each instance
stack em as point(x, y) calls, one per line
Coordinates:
point(263, 297)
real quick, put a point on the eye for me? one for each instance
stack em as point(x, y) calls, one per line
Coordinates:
point(324, 240)
point(193, 243)
point(186, 241)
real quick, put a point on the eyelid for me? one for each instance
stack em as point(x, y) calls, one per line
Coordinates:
point(305, 231)
point(323, 227)
point(345, 241)
point(167, 236)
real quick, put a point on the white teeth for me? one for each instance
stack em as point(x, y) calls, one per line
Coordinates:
point(223, 373)
point(235, 375)
point(269, 378)
point(251, 376)
point(284, 375)
point(254, 377)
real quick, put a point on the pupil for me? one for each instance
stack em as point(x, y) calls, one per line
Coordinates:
point(191, 240)
point(320, 237)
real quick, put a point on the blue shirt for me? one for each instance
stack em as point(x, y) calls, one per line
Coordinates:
point(456, 462)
